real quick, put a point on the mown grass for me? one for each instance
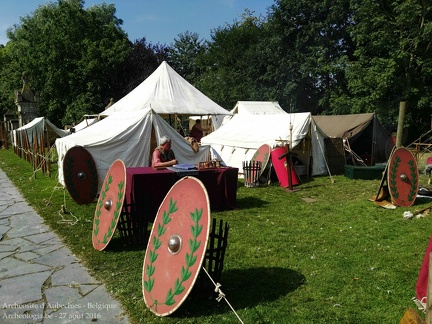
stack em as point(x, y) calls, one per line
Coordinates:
point(323, 254)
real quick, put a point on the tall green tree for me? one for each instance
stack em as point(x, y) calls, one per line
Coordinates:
point(6, 94)
point(232, 69)
point(143, 60)
point(186, 54)
point(393, 60)
point(71, 54)
point(308, 47)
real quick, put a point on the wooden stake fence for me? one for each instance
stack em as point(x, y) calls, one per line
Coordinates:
point(37, 154)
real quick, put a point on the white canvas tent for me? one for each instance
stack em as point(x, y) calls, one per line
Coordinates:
point(167, 93)
point(37, 127)
point(86, 122)
point(127, 136)
point(251, 108)
point(238, 139)
point(258, 108)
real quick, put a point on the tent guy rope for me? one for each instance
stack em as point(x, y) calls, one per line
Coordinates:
point(221, 294)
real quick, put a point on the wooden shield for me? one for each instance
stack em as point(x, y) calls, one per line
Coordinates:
point(281, 169)
point(109, 205)
point(176, 247)
point(402, 177)
point(262, 155)
point(80, 175)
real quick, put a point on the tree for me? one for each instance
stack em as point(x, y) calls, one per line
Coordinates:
point(309, 45)
point(393, 60)
point(142, 61)
point(6, 86)
point(232, 70)
point(186, 56)
point(71, 54)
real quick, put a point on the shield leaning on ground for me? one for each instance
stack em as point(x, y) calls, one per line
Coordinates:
point(177, 246)
point(402, 177)
point(109, 205)
point(262, 155)
point(80, 175)
point(280, 166)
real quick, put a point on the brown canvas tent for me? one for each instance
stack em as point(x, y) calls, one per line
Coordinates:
point(363, 134)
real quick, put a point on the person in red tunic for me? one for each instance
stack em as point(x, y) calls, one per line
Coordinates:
point(163, 155)
point(197, 131)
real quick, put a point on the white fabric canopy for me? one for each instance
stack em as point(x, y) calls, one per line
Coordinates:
point(251, 108)
point(37, 127)
point(126, 136)
point(258, 108)
point(166, 92)
point(85, 123)
point(238, 139)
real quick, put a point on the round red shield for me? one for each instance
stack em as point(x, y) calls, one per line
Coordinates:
point(80, 175)
point(109, 205)
point(262, 155)
point(402, 177)
point(176, 247)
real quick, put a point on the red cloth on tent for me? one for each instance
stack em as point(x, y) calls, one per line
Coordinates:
point(422, 280)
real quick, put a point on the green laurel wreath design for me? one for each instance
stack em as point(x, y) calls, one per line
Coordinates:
point(185, 274)
point(413, 189)
point(255, 155)
point(116, 212)
point(265, 160)
point(161, 229)
point(194, 244)
point(393, 186)
point(413, 172)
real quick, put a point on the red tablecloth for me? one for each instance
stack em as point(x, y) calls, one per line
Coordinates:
point(149, 187)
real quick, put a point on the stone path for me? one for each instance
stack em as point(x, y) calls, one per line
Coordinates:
point(41, 281)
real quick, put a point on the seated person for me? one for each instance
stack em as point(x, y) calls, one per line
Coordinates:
point(197, 131)
point(163, 156)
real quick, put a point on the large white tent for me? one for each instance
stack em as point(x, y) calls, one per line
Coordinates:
point(130, 136)
point(166, 92)
point(238, 139)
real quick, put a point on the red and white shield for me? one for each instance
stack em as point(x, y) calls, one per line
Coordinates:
point(109, 205)
point(177, 246)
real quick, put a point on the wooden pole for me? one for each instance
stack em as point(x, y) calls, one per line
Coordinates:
point(288, 166)
point(402, 109)
point(35, 151)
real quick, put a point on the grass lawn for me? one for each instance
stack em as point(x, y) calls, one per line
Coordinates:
point(323, 254)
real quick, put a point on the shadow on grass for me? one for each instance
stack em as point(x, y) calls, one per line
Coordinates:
point(250, 202)
point(117, 245)
point(243, 288)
